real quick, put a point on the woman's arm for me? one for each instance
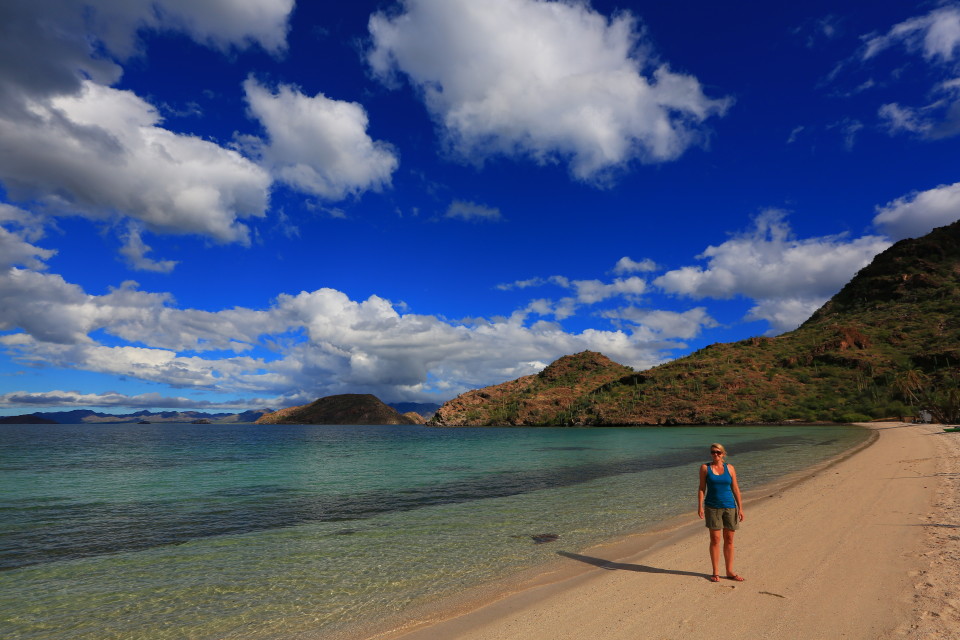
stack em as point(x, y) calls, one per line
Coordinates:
point(703, 488)
point(735, 486)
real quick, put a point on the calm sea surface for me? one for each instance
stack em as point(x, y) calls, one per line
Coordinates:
point(249, 531)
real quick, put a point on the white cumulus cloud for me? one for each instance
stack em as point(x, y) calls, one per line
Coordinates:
point(628, 265)
point(582, 292)
point(15, 250)
point(918, 213)
point(72, 144)
point(664, 324)
point(101, 152)
point(18, 230)
point(785, 314)
point(553, 81)
point(48, 48)
point(316, 144)
point(135, 250)
point(302, 346)
point(788, 278)
point(592, 291)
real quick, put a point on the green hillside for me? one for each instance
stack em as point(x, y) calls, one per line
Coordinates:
point(887, 345)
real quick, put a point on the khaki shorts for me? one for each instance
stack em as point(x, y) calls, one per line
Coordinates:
point(721, 518)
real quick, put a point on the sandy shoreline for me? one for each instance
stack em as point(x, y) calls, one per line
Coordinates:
point(866, 548)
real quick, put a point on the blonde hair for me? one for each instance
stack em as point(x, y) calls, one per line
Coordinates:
point(723, 450)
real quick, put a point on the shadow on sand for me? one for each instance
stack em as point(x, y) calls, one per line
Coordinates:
point(623, 566)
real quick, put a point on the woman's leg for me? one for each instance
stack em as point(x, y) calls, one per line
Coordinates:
point(715, 550)
point(728, 553)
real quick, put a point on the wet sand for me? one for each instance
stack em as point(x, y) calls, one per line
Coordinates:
point(865, 548)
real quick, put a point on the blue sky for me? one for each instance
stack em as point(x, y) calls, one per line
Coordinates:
point(225, 205)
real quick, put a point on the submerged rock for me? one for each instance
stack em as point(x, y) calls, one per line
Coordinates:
point(540, 538)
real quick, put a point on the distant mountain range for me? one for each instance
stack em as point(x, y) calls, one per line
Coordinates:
point(86, 416)
point(887, 345)
point(425, 409)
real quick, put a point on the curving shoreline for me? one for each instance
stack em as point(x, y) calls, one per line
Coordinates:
point(877, 558)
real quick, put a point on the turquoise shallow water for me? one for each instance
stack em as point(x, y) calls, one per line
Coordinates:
point(250, 531)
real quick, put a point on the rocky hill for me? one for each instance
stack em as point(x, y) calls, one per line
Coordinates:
point(535, 399)
point(888, 344)
point(348, 408)
point(415, 417)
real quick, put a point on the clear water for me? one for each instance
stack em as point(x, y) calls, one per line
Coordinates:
point(250, 531)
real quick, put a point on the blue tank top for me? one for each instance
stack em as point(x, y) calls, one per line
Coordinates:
point(720, 489)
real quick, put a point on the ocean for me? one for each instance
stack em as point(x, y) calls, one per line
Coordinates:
point(289, 532)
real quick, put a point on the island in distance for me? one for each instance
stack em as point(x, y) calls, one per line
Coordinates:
point(347, 408)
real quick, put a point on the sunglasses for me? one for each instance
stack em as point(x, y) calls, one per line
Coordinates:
point(716, 453)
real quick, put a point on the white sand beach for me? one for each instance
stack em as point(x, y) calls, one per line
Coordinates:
point(866, 548)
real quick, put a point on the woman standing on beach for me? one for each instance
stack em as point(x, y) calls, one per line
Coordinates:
point(719, 501)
